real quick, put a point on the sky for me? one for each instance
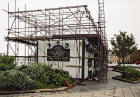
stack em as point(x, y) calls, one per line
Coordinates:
point(121, 15)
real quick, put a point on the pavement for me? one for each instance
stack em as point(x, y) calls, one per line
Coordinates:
point(111, 88)
point(120, 92)
point(96, 86)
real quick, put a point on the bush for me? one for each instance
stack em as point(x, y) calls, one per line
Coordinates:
point(132, 79)
point(38, 85)
point(131, 73)
point(4, 67)
point(15, 80)
point(120, 68)
point(64, 75)
point(57, 79)
point(46, 75)
point(6, 63)
point(39, 72)
point(32, 77)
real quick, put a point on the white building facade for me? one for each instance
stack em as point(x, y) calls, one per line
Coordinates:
point(68, 55)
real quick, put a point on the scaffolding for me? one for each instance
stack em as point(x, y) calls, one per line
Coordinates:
point(26, 28)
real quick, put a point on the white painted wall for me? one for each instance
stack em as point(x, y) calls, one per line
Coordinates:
point(75, 47)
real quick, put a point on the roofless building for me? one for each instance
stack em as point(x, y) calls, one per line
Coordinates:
point(66, 37)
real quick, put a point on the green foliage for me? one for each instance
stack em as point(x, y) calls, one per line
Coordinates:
point(38, 85)
point(64, 75)
point(58, 77)
point(4, 67)
point(123, 44)
point(131, 73)
point(15, 80)
point(39, 72)
point(120, 68)
point(45, 74)
point(132, 79)
point(33, 77)
point(6, 63)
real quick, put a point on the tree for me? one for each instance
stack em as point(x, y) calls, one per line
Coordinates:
point(123, 45)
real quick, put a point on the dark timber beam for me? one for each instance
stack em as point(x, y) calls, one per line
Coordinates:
point(68, 36)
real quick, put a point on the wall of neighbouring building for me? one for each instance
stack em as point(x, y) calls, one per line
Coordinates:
point(112, 58)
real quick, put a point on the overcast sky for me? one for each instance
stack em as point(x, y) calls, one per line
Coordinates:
point(121, 15)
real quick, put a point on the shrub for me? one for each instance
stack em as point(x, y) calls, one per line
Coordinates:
point(57, 79)
point(64, 75)
point(131, 73)
point(132, 79)
point(4, 67)
point(46, 75)
point(15, 80)
point(120, 68)
point(38, 85)
point(38, 72)
point(6, 63)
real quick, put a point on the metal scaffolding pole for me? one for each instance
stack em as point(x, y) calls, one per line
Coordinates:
point(27, 27)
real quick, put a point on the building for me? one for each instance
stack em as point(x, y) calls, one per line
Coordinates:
point(68, 38)
point(112, 58)
point(134, 57)
point(70, 55)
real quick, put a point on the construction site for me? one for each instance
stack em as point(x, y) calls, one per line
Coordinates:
point(66, 37)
